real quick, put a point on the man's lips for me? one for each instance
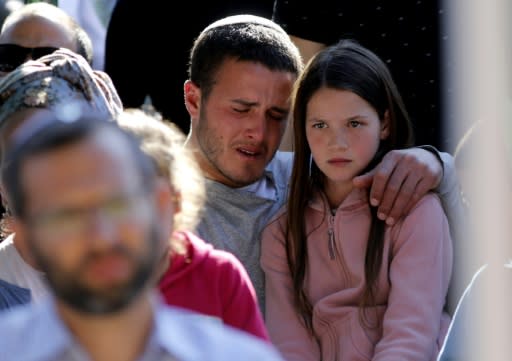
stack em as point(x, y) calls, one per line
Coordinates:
point(111, 267)
point(250, 151)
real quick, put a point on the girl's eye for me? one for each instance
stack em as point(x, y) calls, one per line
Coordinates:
point(354, 123)
point(241, 110)
point(319, 125)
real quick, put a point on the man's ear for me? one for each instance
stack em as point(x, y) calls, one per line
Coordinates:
point(192, 99)
point(18, 228)
point(385, 126)
point(21, 243)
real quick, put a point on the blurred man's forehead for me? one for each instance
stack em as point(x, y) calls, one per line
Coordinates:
point(100, 161)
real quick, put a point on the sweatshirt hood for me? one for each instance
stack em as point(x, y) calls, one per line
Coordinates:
point(357, 198)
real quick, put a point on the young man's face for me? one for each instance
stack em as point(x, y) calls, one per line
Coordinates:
point(90, 224)
point(238, 129)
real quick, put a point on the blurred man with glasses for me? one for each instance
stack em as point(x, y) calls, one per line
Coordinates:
point(89, 206)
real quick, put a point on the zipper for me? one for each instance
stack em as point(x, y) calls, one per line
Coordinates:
point(330, 242)
point(335, 253)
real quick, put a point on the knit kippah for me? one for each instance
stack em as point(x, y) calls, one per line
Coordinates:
point(245, 19)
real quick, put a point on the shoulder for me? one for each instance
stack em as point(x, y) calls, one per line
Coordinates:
point(280, 215)
point(426, 219)
point(210, 255)
point(12, 295)
point(428, 206)
point(281, 165)
point(19, 330)
point(273, 240)
point(190, 336)
point(226, 262)
point(276, 225)
point(431, 199)
point(7, 244)
point(282, 159)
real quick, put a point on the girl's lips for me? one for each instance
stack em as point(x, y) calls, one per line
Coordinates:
point(339, 160)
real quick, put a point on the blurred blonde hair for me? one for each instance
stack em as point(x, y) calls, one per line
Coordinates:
point(163, 142)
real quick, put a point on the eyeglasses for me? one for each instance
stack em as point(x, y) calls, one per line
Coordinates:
point(12, 55)
point(73, 222)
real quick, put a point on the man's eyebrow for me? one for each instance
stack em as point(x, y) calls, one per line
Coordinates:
point(244, 102)
point(248, 103)
point(284, 111)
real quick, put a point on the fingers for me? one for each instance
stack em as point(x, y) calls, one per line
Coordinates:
point(381, 177)
point(396, 194)
point(400, 180)
point(405, 197)
point(364, 180)
point(421, 189)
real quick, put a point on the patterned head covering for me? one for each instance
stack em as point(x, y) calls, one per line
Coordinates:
point(60, 81)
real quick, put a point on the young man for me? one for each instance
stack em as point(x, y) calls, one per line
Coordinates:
point(241, 75)
point(99, 240)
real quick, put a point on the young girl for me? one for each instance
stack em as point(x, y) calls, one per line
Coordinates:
point(341, 284)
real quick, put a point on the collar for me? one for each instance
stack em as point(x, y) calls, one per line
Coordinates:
point(355, 199)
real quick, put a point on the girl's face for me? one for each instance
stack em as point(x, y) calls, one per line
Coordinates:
point(343, 132)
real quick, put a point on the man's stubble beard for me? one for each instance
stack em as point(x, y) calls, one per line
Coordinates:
point(211, 150)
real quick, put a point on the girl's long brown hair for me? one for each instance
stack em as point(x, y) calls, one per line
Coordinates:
point(345, 66)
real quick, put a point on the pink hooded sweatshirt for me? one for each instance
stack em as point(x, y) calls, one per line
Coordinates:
point(411, 286)
point(212, 282)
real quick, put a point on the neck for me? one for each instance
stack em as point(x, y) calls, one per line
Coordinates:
point(193, 147)
point(337, 192)
point(23, 252)
point(113, 337)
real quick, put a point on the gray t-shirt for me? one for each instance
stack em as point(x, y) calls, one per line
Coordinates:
point(233, 218)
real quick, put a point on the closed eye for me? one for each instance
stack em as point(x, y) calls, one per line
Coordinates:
point(278, 117)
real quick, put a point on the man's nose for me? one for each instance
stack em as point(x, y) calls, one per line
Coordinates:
point(257, 127)
point(101, 229)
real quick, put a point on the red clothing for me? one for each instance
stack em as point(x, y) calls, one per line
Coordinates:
point(212, 282)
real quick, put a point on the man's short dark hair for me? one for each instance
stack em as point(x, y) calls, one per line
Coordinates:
point(243, 38)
